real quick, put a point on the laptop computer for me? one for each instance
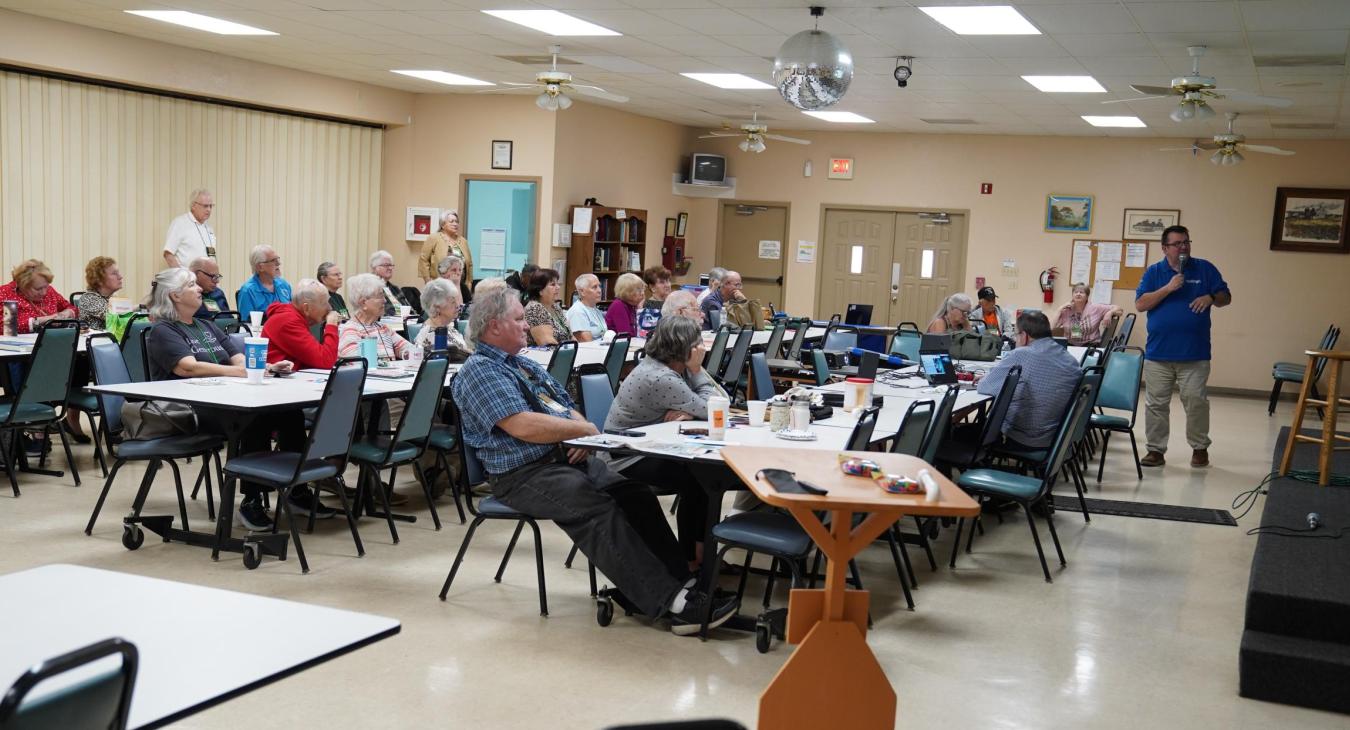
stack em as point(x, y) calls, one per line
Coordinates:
point(935, 343)
point(937, 367)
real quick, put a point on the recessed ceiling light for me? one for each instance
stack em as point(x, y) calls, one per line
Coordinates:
point(200, 22)
point(841, 117)
point(1078, 84)
point(1114, 121)
point(729, 81)
point(551, 22)
point(983, 20)
point(443, 77)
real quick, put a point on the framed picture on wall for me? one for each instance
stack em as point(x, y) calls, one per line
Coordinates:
point(1068, 213)
point(421, 222)
point(670, 227)
point(1310, 219)
point(1147, 224)
point(501, 154)
point(681, 225)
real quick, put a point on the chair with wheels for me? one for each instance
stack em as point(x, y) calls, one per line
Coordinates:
point(100, 701)
point(325, 457)
point(615, 357)
point(1119, 391)
point(40, 404)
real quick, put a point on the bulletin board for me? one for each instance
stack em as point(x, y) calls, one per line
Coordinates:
point(1095, 262)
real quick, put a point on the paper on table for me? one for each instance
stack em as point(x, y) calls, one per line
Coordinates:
point(1101, 293)
point(1109, 251)
point(581, 221)
point(1107, 270)
point(1082, 263)
point(492, 248)
point(1136, 255)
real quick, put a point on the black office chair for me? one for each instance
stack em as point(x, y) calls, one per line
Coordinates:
point(99, 702)
point(560, 362)
point(730, 377)
point(615, 357)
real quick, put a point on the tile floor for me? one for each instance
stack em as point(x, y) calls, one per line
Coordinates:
point(1141, 628)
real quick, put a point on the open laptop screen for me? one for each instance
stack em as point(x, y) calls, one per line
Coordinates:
point(937, 367)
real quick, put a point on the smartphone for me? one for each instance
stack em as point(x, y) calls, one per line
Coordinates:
point(624, 432)
point(693, 431)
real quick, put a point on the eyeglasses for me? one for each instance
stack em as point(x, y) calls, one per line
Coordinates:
point(273, 260)
point(208, 206)
point(1179, 244)
point(212, 277)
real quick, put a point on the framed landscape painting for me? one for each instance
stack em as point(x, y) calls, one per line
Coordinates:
point(1068, 213)
point(1147, 224)
point(1310, 219)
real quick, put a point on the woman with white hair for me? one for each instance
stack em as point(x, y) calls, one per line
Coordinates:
point(586, 322)
point(382, 265)
point(440, 299)
point(366, 300)
point(451, 268)
point(442, 243)
point(953, 315)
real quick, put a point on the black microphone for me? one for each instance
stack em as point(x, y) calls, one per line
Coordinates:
point(1314, 520)
point(1182, 260)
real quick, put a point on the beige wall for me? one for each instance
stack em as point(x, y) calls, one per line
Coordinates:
point(1282, 301)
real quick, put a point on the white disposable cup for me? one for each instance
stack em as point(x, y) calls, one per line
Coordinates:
point(756, 408)
point(255, 359)
point(255, 320)
point(404, 311)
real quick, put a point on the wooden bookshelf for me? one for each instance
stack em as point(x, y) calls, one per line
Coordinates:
point(616, 243)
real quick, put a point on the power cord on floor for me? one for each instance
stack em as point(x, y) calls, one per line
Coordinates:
point(1315, 529)
point(1245, 501)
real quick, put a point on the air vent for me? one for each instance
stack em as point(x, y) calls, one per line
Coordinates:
point(1299, 61)
point(540, 60)
point(1302, 125)
point(949, 121)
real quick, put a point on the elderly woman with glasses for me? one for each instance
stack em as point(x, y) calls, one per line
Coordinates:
point(265, 287)
point(382, 265)
point(442, 243)
point(451, 268)
point(440, 299)
point(953, 315)
point(1081, 320)
point(330, 275)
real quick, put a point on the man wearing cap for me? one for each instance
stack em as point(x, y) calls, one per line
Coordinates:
point(995, 318)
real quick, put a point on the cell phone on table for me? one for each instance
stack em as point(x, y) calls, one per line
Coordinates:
point(624, 432)
point(693, 431)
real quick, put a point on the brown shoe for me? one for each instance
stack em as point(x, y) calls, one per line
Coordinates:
point(1200, 457)
point(1153, 458)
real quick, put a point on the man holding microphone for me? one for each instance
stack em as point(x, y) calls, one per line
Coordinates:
point(1178, 294)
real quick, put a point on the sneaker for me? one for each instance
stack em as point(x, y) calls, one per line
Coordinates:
point(304, 502)
point(1200, 458)
point(254, 515)
point(1153, 458)
point(689, 621)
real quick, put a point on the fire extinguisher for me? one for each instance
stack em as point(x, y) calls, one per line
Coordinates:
point(1048, 284)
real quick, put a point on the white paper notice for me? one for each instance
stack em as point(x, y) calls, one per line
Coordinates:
point(806, 252)
point(1109, 251)
point(771, 249)
point(1101, 293)
point(620, 214)
point(1082, 263)
point(492, 247)
point(1136, 255)
point(581, 221)
point(1107, 270)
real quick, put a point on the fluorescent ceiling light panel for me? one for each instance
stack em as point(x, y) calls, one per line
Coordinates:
point(1066, 84)
point(200, 22)
point(551, 22)
point(1114, 121)
point(841, 117)
point(443, 77)
point(729, 81)
point(982, 20)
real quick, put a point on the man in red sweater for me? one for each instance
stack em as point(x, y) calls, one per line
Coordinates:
point(288, 328)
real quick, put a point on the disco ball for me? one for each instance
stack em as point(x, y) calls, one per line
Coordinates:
point(812, 70)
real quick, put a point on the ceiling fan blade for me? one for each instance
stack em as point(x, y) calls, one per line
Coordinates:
point(781, 138)
point(517, 83)
point(1138, 98)
point(1154, 90)
point(1268, 149)
point(512, 90)
point(597, 92)
point(1246, 97)
point(1208, 145)
point(1176, 149)
point(716, 135)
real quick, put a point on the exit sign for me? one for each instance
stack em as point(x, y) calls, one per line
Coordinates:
point(841, 168)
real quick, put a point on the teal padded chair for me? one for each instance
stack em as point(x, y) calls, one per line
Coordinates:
point(40, 405)
point(1119, 391)
point(1288, 372)
point(325, 457)
point(1126, 329)
point(840, 337)
point(227, 321)
point(81, 400)
point(561, 362)
point(1029, 491)
point(133, 348)
point(614, 359)
point(110, 369)
point(1092, 357)
point(596, 397)
point(820, 367)
point(463, 326)
point(376, 453)
point(99, 702)
point(760, 376)
point(730, 377)
point(712, 362)
point(413, 328)
point(909, 440)
point(905, 342)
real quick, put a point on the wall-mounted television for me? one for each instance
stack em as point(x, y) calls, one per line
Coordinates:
point(706, 169)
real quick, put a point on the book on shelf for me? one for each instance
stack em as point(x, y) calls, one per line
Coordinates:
point(634, 260)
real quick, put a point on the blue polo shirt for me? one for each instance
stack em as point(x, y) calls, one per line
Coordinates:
point(1175, 333)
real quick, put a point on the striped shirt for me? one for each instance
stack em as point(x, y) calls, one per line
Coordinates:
point(390, 346)
point(1049, 375)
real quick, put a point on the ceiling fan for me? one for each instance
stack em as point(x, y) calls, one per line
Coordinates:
point(556, 86)
point(754, 132)
point(1196, 92)
point(1226, 146)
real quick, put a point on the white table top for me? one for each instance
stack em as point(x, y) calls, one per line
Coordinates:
point(894, 408)
point(22, 345)
point(588, 353)
point(663, 439)
point(188, 637)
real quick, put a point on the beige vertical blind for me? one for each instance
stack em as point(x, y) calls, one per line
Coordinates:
point(87, 170)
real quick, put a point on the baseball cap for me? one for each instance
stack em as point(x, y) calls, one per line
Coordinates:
point(987, 293)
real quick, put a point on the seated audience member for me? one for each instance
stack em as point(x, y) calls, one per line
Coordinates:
point(1081, 320)
point(657, 279)
point(208, 278)
point(682, 304)
point(516, 417)
point(451, 268)
point(330, 275)
point(670, 384)
point(953, 315)
point(1049, 375)
point(39, 302)
point(715, 275)
point(102, 279)
point(382, 265)
point(622, 313)
point(994, 318)
point(180, 346)
point(288, 333)
point(440, 300)
point(586, 322)
point(729, 291)
point(547, 324)
point(366, 295)
point(265, 287)
point(520, 281)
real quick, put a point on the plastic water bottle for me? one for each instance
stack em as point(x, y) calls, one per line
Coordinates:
point(1007, 348)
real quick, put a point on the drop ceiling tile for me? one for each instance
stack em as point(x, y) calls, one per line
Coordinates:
point(1212, 64)
point(457, 22)
point(1027, 46)
point(666, 4)
point(1109, 44)
point(759, 45)
point(1170, 42)
point(1297, 42)
point(632, 46)
point(1081, 18)
point(753, 66)
point(1005, 83)
point(1295, 14)
point(723, 21)
point(1174, 17)
point(674, 64)
point(966, 67)
point(1065, 66)
point(696, 45)
point(797, 19)
point(617, 64)
point(1143, 68)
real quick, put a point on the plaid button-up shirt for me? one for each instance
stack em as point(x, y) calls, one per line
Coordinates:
point(489, 388)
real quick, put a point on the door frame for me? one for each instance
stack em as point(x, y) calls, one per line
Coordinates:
point(787, 229)
point(463, 208)
point(827, 207)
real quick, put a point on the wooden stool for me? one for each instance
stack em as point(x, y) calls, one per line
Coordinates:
point(1332, 402)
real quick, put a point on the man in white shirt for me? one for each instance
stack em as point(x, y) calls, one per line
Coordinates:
point(189, 236)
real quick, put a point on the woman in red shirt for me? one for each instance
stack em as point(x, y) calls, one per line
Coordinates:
point(38, 302)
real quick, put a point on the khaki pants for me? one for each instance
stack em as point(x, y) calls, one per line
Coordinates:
point(1189, 378)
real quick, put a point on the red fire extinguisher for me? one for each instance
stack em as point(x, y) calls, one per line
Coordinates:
point(1048, 284)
